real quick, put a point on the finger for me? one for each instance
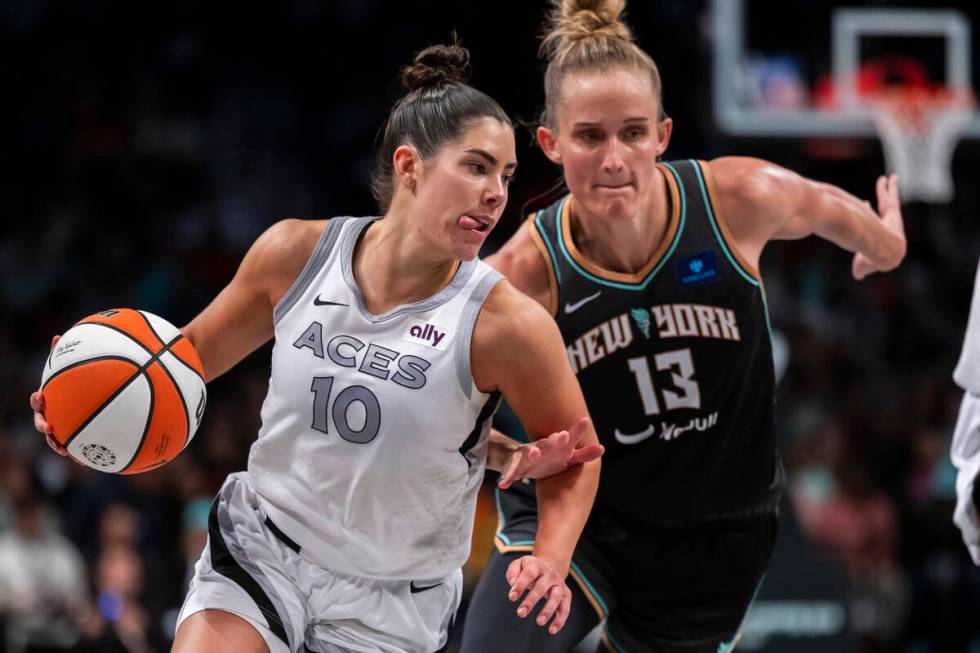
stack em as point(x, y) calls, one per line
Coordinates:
point(561, 439)
point(534, 453)
point(586, 454)
point(537, 591)
point(37, 402)
point(512, 573)
point(561, 615)
point(894, 187)
point(41, 425)
point(529, 573)
point(510, 474)
point(549, 607)
point(881, 190)
point(578, 430)
point(60, 450)
point(54, 341)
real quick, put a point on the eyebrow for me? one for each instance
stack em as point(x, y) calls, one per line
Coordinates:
point(596, 124)
point(490, 158)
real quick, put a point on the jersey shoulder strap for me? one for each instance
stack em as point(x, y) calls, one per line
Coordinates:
point(707, 227)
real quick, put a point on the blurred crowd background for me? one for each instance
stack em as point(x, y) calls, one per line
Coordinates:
point(146, 145)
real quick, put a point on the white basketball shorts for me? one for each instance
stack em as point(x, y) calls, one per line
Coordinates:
point(253, 570)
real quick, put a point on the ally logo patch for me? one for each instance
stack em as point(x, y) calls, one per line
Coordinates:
point(697, 269)
point(427, 333)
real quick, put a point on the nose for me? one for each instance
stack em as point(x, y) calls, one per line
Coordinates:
point(495, 191)
point(612, 158)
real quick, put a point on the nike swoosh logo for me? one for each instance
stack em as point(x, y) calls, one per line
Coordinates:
point(571, 308)
point(633, 438)
point(415, 589)
point(320, 302)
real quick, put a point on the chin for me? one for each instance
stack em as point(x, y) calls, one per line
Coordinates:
point(465, 252)
point(615, 207)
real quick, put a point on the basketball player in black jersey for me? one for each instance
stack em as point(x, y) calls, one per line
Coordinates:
point(651, 271)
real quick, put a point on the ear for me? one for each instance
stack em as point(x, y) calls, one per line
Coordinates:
point(406, 162)
point(549, 144)
point(664, 129)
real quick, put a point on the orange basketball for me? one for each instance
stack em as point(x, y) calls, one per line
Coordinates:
point(124, 391)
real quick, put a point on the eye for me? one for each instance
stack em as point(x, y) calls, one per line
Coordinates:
point(635, 133)
point(477, 168)
point(590, 136)
point(508, 179)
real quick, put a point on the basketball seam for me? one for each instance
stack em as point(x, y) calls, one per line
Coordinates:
point(139, 372)
point(118, 330)
point(152, 330)
point(187, 415)
point(188, 365)
point(149, 382)
point(149, 420)
point(85, 362)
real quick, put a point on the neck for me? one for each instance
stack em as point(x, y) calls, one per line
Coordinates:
point(625, 244)
point(394, 264)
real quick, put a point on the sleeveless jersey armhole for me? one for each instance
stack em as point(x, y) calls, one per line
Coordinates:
point(725, 239)
point(549, 262)
point(324, 245)
point(467, 322)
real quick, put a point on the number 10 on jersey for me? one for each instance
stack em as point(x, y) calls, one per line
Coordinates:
point(322, 389)
point(685, 394)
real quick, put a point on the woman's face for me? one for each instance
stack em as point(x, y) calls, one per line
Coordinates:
point(608, 139)
point(463, 188)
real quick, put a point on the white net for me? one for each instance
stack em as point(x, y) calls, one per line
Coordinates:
point(919, 131)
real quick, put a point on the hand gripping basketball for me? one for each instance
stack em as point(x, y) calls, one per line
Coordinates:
point(41, 424)
point(122, 391)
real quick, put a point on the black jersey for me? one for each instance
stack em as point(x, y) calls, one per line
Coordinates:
point(675, 361)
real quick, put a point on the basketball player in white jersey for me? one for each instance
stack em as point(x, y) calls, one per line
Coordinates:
point(965, 448)
point(393, 347)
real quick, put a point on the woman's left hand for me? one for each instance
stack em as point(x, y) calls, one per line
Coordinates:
point(541, 579)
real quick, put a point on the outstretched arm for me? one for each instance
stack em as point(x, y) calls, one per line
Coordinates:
point(518, 350)
point(761, 201)
point(541, 458)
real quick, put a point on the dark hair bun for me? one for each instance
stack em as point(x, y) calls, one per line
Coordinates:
point(437, 65)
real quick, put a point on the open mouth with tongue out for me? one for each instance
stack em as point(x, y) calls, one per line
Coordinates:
point(481, 223)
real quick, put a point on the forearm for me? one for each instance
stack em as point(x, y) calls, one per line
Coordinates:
point(564, 503)
point(854, 225)
point(499, 450)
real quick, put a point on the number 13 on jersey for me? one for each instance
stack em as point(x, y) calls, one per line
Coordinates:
point(685, 394)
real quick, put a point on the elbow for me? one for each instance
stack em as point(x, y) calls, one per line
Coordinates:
point(192, 335)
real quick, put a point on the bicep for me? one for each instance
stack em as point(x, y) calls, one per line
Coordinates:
point(236, 322)
point(239, 320)
point(538, 383)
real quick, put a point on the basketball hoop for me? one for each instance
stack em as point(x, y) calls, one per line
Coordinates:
point(919, 128)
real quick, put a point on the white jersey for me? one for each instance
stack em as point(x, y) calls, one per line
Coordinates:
point(374, 435)
point(965, 448)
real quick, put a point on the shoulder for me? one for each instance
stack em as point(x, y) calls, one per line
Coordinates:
point(525, 265)
point(511, 330)
point(278, 256)
point(746, 182)
point(756, 198)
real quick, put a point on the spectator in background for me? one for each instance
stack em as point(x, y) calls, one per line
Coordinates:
point(43, 593)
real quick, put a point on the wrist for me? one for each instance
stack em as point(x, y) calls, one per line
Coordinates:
point(559, 563)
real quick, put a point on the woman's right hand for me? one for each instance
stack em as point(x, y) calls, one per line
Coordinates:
point(40, 423)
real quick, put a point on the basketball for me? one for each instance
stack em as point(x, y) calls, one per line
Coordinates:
point(124, 391)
